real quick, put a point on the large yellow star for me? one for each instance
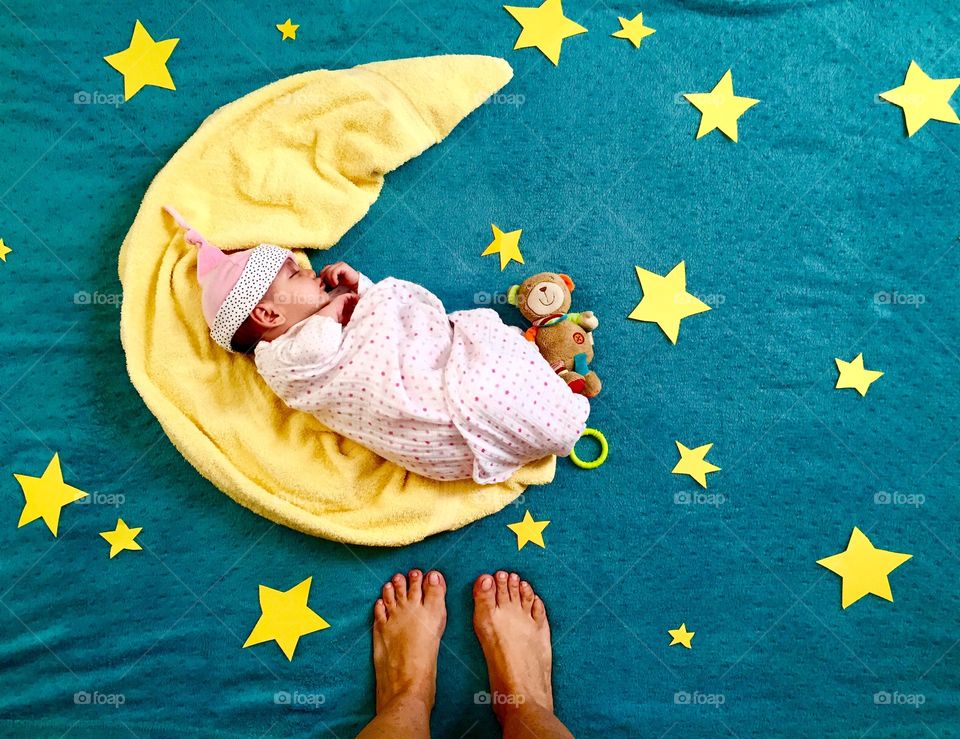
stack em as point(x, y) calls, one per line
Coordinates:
point(693, 463)
point(46, 496)
point(288, 29)
point(720, 108)
point(122, 538)
point(666, 301)
point(923, 99)
point(285, 617)
point(864, 568)
point(681, 636)
point(544, 27)
point(4, 250)
point(633, 30)
point(529, 530)
point(144, 62)
point(853, 374)
point(507, 245)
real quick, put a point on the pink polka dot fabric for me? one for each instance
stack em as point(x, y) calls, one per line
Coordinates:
point(449, 397)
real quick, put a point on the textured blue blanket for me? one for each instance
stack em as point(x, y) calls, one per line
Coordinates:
point(823, 233)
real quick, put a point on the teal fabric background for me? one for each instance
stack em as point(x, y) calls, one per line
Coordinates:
point(791, 234)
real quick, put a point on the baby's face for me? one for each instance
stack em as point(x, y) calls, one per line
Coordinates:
point(297, 293)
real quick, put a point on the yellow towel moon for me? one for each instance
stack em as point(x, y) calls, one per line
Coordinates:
point(295, 163)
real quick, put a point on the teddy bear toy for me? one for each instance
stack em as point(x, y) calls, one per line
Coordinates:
point(564, 339)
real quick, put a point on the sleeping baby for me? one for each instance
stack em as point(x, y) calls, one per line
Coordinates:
point(450, 397)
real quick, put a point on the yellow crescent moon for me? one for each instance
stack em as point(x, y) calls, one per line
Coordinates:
point(295, 163)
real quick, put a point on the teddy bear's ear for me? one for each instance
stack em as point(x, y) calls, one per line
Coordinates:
point(512, 294)
point(566, 279)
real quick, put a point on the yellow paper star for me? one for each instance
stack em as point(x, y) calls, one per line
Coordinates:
point(288, 29)
point(529, 530)
point(144, 62)
point(507, 245)
point(634, 30)
point(853, 374)
point(720, 108)
point(681, 636)
point(285, 617)
point(4, 250)
point(122, 538)
point(544, 27)
point(692, 463)
point(863, 568)
point(923, 99)
point(46, 496)
point(666, 301)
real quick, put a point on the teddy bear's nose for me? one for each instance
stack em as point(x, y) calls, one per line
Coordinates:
point(543, 288)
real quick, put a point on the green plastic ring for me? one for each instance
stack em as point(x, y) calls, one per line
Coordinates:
point(592, 465)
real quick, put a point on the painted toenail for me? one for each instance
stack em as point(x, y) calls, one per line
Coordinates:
point(486, 583)
point(434, 578)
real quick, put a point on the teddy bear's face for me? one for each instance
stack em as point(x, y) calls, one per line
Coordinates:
point(544, 294)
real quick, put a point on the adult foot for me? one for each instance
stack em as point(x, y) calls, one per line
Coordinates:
point(511, 623)
point(408, 620)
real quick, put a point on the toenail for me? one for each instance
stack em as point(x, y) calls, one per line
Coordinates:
point(501, 575)
point(414, 575)
point(514, 577)
point(525, 585)
point(388, 585)
point(434, 578)
point(486, 583)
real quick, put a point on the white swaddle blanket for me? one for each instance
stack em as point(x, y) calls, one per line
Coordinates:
point(449, 397)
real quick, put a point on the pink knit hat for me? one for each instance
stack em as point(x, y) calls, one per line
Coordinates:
point(231, 284)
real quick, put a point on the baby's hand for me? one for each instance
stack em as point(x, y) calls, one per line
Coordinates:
point(340, 273)
point(340, 308)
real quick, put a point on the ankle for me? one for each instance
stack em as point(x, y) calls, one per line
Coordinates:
point(416, 696)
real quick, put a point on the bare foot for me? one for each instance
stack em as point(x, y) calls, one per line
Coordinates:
point(408, 621)
point(511, 623)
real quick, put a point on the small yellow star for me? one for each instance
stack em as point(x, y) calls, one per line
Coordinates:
point(693, 463)
point(144, 62)
point(544, 27)
point(285, 617)
point(863, 569)
point(507, 245)
point(666, 301)
point(853, 374)
point(529, 530)
point(46, 496)
point(634, 30)
point(122, 538)
point(4, 250)
point(288, 29)
point(923, 99)
point(681, 636)
point(720, 108)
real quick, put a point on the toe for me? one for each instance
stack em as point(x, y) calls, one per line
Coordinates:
point(414, 586)
point(503, 596)
point(513, 587)
point(379, 612)
point(484, 597)
point(526, 596)
point(539, 610)
point(388, 594)
point(400, 585)
point(434, 588)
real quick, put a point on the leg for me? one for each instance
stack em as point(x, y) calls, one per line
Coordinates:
point(511, 623)
point(408, 621)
